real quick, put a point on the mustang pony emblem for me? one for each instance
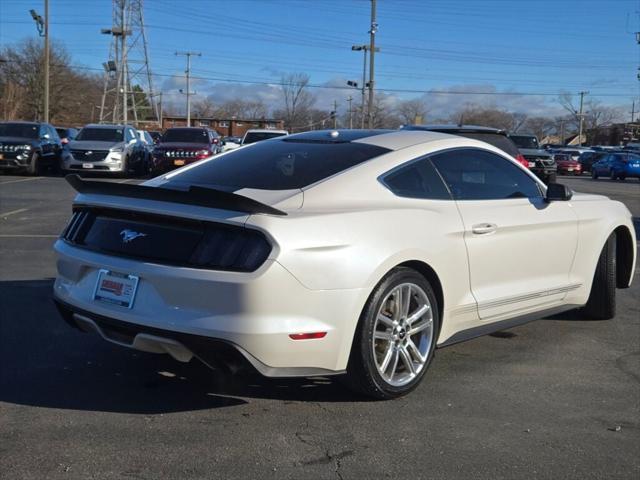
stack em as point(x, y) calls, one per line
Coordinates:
point(130, 235)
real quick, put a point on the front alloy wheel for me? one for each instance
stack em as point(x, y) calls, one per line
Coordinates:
point(396, 336)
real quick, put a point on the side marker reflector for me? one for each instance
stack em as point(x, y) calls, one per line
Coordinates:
point(307, 336)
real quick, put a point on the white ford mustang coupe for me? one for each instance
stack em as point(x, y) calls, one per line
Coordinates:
point(353, 252)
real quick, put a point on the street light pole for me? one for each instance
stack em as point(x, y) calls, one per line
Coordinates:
point(46, 61)
point(43, 30)
point(350, 99)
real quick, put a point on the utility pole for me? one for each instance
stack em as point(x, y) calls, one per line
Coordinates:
point(350, 99)
point(335, 114)
point(562, 132)
point(372, 51)
point(43, 30)
point(188, 93)
point(127, 67)
point(581, 115)
point(633, 111)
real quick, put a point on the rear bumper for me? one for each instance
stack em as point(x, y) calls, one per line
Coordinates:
point(166, 164)
point(253, 312)
point(181, 346)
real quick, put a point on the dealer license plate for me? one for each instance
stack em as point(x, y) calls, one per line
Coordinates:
point(570, 169)
point(116, 288)
point(178, 163)
point(87, 165)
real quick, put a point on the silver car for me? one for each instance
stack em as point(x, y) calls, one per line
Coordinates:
point(106, 149)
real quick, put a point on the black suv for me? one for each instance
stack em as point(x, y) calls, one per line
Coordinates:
point(28, 146)
point(541, 162)
point(493, 136)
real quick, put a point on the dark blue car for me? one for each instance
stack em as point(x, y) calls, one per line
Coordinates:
point(617, 166)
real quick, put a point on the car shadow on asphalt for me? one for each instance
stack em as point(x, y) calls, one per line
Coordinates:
point(46, 363)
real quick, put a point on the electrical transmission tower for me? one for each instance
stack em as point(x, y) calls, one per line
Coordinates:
point(128, 94)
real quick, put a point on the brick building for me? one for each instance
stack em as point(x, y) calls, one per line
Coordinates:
point(227, 127)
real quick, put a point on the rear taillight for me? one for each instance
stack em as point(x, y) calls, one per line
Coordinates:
point(522, 161)
point(200, 154)
point(236, 249)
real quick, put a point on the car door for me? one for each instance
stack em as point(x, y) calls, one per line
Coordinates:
point(520, 247)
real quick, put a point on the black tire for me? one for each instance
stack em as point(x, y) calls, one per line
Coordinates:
point(362, 373)
point(602, 299)
point(34, 168)
point(622, 177)
point(594, 174)
point(613, 175)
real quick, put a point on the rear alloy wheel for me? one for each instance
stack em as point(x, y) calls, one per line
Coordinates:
point(602, 299)
point(396, 337)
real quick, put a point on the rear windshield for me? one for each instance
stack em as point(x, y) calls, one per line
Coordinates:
point(101, 134)
point(19, 130)
point(525, 141)
point(185, 135)
point(253, 137)
point(277, 165)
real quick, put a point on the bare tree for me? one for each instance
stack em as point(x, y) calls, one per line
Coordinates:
point(412, 111)
point(539, 126)
point(297, 99)
point(488, 117)
point(73, 94)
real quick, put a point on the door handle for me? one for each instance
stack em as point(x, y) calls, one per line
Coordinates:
point(484, 228)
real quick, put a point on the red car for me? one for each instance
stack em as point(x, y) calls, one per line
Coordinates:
point(566, 165)
point(184, 145)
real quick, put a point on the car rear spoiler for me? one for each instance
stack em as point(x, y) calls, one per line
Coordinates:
point(200, 196)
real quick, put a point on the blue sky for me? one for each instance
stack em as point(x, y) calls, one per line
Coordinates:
point(525, 46)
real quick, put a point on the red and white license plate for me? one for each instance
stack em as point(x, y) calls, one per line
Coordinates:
point(116, 288)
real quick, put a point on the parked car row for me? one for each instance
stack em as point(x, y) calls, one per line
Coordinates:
point(32, 147)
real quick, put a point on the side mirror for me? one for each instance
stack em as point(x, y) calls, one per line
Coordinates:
point(556, 192)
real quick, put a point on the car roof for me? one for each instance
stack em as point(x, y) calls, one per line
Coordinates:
point(389, 139)
point(105, 125)
point(21, 122)
point(448, 128)
point(265, 130)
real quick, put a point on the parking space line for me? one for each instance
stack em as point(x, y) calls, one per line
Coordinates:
point(29, 236)
point(21, 180)
point(13, 212)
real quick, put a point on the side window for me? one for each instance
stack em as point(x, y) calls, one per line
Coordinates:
point(418, 179)
point(474, 174)
point(130, 135)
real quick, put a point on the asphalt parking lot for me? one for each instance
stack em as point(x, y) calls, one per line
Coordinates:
point(557, 398)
